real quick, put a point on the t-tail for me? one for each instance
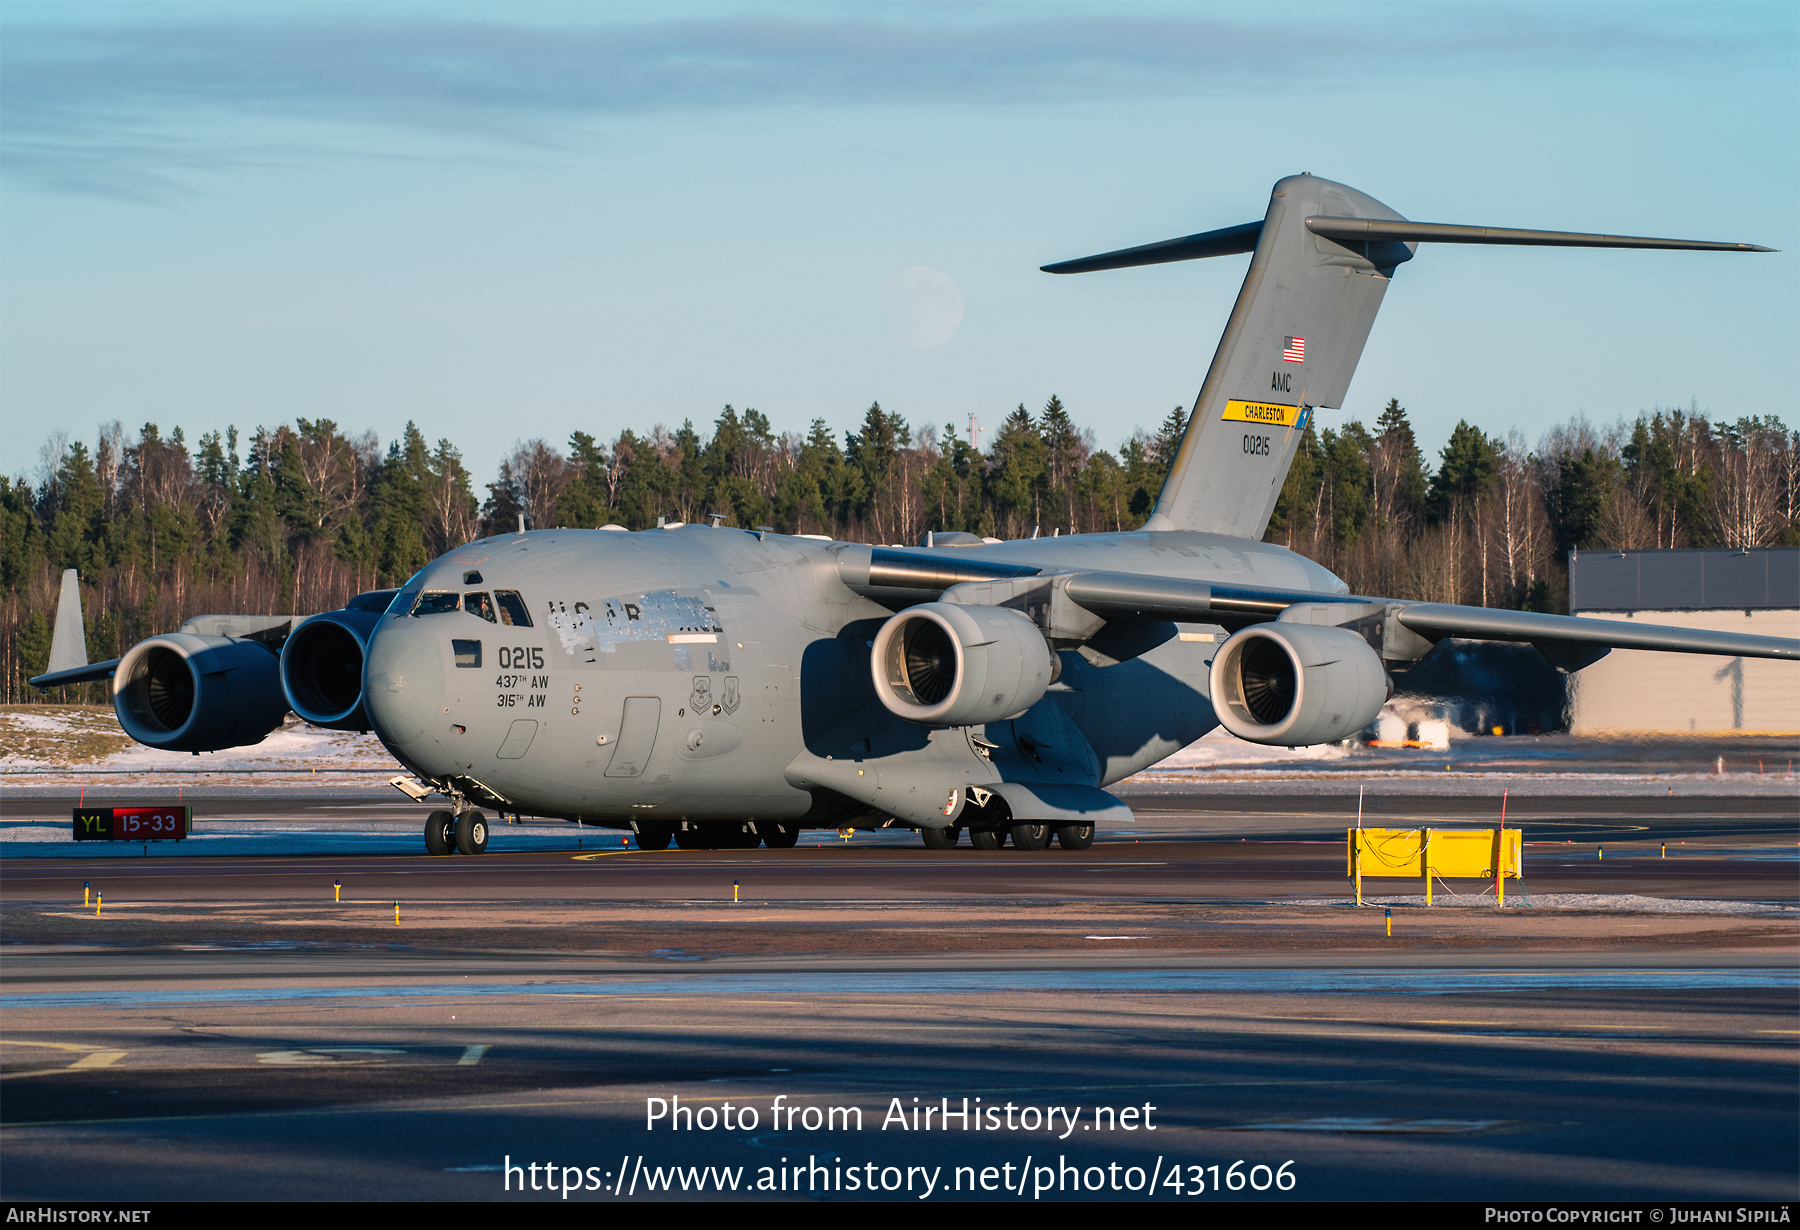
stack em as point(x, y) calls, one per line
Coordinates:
point(1322, 259)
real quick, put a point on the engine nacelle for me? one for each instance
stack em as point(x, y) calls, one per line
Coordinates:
point(322, 668)
point(188, 693)
point(942, 664)
point(1297, 684)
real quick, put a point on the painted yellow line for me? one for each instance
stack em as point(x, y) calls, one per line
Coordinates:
point(472, 1055)
point(99, 1059)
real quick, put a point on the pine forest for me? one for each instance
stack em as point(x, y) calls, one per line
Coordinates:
point(298, 518)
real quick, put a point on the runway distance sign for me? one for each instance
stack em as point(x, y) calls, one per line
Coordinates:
point(133, 823)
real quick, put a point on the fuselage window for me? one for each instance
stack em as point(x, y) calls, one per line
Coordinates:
point(468, 653)
point(480, 604)
point(436, 602)
point(512, 608)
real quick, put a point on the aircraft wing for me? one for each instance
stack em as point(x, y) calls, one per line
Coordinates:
point(1435, 620)
point(1564, 639)
point(1570, 642)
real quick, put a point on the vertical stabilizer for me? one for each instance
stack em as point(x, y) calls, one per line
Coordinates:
point(68, 643)
point(1323, 255)
point(1291, 344)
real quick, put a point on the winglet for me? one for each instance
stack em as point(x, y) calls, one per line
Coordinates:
point(68, 644)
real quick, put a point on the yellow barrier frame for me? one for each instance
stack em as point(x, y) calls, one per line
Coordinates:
point(1449, 853)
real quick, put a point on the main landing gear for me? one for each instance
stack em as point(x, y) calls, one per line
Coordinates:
point(1022, 836)
point(991, 825)
point(717, 835)
point(446, 832)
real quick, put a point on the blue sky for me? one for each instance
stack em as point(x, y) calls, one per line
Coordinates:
point(521, 220)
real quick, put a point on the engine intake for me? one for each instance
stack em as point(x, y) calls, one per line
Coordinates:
point(322, 668)
point(941, 664)
point(188, 693)
point(1297, 684)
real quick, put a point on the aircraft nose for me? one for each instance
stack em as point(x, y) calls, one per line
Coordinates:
point(403, 683)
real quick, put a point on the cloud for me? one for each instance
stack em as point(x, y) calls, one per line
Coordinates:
point(124, 108)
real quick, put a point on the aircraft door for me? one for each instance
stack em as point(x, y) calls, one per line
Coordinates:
point(637, 736)
point(518, 739)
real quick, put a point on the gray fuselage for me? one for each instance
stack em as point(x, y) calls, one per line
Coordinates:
point(676, 674)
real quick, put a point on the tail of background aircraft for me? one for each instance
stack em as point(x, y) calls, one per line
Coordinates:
point(68, 641)
point(1323, 255)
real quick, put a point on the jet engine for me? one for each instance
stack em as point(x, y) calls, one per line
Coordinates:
point(941, 664)
point(1297, 684)
point(184, 692)
point(322, 666)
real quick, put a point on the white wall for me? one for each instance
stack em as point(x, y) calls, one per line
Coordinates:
point(1632, 690)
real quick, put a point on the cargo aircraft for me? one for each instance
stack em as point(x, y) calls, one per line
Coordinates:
point(725, 687)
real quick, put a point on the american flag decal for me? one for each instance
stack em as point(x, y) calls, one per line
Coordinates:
point(1294, 350)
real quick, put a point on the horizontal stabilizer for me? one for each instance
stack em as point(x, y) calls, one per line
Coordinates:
point(1227, 241)
point(1364, 230)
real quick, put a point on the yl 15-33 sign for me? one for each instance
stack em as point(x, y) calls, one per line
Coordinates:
point(133, 823)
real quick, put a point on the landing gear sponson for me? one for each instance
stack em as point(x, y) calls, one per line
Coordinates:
point(717, 834)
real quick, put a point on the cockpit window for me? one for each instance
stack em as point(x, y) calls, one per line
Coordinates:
point(512, 608)
point(482, 605)
point(404, 598)
point(436, 602)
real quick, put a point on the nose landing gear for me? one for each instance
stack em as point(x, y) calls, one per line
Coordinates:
point(440, 832)
point(471, 833)
point(447, 833)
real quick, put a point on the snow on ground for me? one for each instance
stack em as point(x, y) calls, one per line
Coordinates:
point(293, 747)
point(49, 745)
point(1223, 750)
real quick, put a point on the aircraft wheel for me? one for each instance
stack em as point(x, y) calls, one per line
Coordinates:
point(471, 833)
point(1074, 836)
point(987, 839)
point(654, 836)
point(1030, 836)
point(690, 839)
point(939, 839)
point(784, 837)
point(440, 832)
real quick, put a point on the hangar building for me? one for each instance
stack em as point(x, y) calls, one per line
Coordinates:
point(1755, 591)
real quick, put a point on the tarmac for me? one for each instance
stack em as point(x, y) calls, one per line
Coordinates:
point(243, 1017)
